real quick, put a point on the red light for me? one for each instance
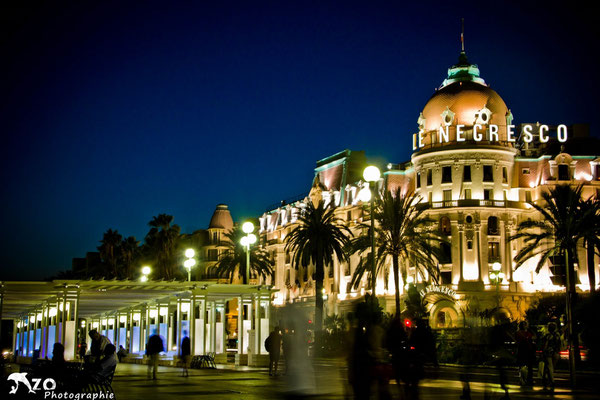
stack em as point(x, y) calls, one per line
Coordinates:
point(310, 321)
point(408, 323)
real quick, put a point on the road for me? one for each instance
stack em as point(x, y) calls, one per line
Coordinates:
point(327, 382)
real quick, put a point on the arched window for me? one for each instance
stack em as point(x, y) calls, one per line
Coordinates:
point(445, 227)
point(493, 226)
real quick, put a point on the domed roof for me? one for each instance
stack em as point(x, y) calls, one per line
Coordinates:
point(464, 102)
point(221, 218)
point(463, 98)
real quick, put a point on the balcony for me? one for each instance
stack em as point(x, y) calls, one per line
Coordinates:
point(473, 203)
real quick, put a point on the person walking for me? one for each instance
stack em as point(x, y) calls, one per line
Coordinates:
point(186, 350)
point(273, 346)
point(525, 354)
point(551, 344)
point(153, 348)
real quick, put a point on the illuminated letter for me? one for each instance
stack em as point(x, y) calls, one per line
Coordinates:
point(543, 137)
point(414, 141)
point(476, 135)
point(562, 133)
point(510, 134)
point(443, 135)
point(421, 139)
point(528, 138)
point(494, 132)
point(459, 133)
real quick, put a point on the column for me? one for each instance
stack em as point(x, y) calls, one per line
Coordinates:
point(478, 249)
point(213, 326)
point(461, 233)
point(192, 319)
point(203, 324)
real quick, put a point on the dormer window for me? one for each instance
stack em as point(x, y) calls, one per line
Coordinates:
point(448, 116)
point(483, 116)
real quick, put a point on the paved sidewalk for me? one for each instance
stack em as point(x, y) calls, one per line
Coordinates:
point(229, 382)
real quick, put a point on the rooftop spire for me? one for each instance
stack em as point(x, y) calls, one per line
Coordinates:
point(462, 35)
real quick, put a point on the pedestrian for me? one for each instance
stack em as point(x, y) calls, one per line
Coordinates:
point(525, 354)
point(186, 350)
point(153, 348)
point(273, 346)
point(500, 337)
point(121, 353)
point(286, 344)
point(58, 355)
point(99, 342)
point(82, 350)
point(551, 345)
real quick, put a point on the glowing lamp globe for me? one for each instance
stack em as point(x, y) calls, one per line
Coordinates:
point(496, 266)
point(372, 174)
point(146, 270)
point(144, 278)
point(248, 227)
point(364, 195)
point(244, 241)
point(189, 263)
point(251, 238)
point(189, 253)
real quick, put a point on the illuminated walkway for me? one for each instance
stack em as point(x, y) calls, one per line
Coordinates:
point(229, 382)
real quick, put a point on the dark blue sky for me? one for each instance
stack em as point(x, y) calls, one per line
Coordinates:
point(114, 112)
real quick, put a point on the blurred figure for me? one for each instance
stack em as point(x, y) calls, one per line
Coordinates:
point(273, 346)
point(186, 351)
point(397, 345)
point(415, 358)
point(300, 377)
point(525, 354)
point(286, 343)
point(99, 343)
point(500, 337)
point(121, 353)
point(106, 366)
point(551, 344)
point(153, 348)
point(58, 355)
point(82, 349)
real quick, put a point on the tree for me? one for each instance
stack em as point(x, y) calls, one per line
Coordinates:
point(161, 242)
point(109, 251)
point(129, 252)
point(555, 237)
point(233, 259)
point(318, 238)
point(403, 234)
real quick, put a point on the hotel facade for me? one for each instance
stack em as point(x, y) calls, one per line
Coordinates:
point(475, 173)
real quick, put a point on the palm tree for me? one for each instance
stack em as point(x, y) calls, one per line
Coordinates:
point(590, 234)
point(129, 252)
point(402, 233)
point(161, 242)
point(555, 237)
point(109, 251)
point(233, 259)
point(317, 239)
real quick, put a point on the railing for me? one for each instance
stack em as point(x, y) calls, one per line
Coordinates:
point(287, 201)
point(473, 203)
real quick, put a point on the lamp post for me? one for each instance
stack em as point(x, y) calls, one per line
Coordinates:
point(145, 272)
point(246, 241)
point(372, 175)
point(189, 262)
point(497, 276)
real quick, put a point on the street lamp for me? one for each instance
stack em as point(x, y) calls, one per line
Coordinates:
point(145, 272)
point(372, 175)
point(189, 262)
point(496, 276)
point(246, 241)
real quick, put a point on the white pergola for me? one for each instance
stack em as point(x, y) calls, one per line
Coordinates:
point(128, 312)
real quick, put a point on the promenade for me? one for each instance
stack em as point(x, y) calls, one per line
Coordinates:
point(229, 382)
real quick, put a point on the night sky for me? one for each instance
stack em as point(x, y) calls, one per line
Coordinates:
point(114, 112)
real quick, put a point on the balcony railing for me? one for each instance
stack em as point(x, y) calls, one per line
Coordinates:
point(473, 203)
